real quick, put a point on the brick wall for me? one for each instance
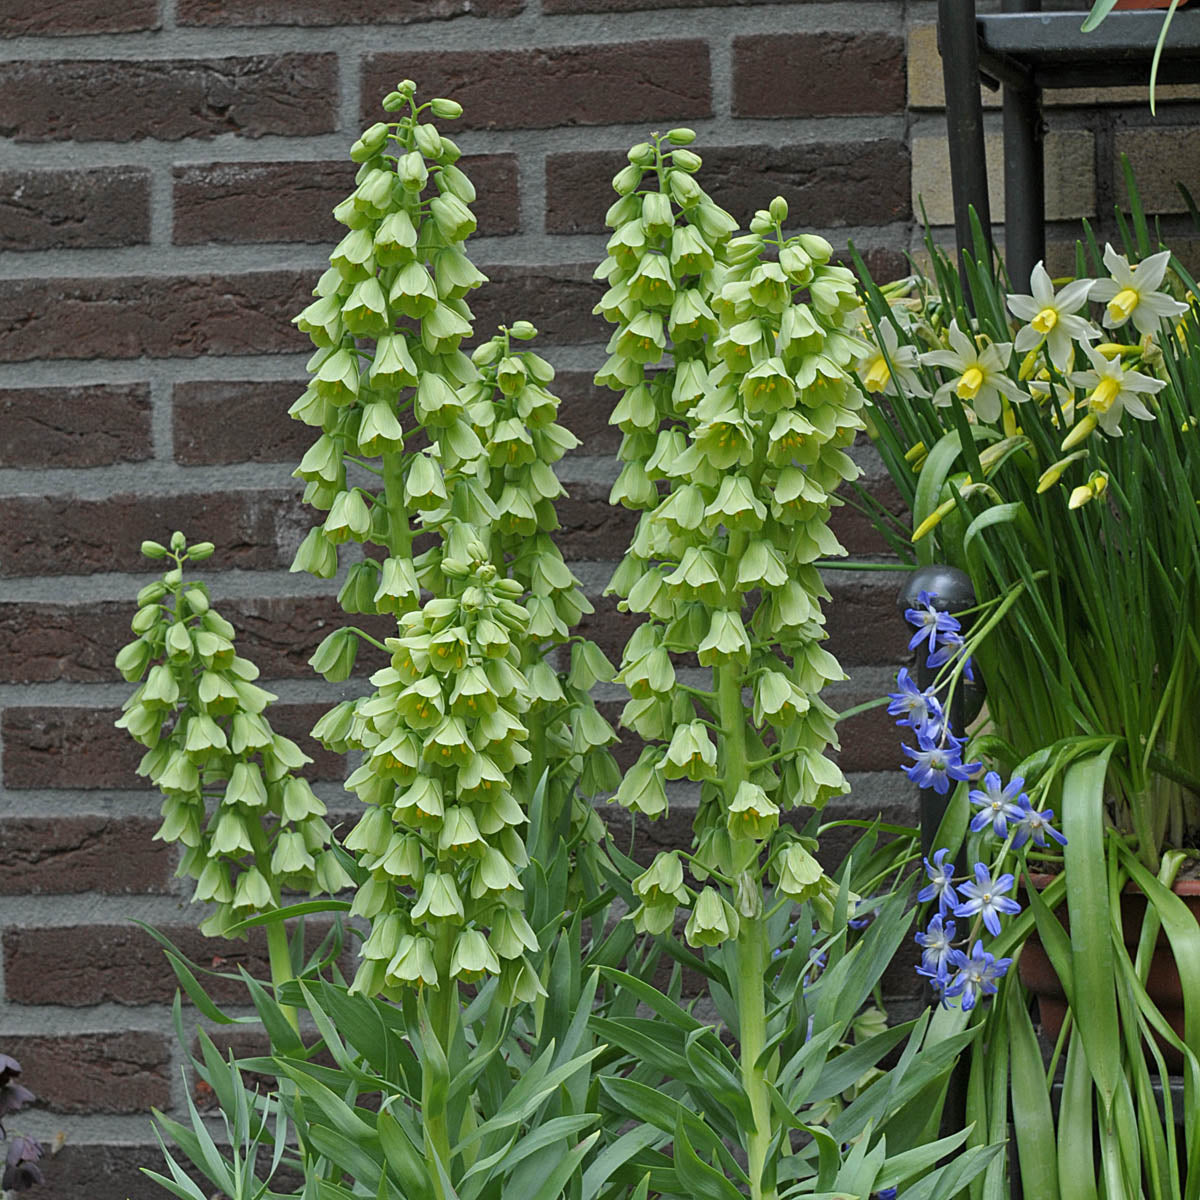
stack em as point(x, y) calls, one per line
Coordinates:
point(168, 170)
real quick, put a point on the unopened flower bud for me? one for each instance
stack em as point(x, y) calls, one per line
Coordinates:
point(448, 110)
point(154, 550)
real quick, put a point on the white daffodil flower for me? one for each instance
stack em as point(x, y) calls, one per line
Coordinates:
point(1131, 294)
point(1052, 316)
point(1113, 390)
point(889, 367)
point(980, 374)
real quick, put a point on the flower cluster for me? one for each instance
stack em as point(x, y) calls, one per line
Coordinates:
point(21, 1170)
point(990, 378)
point(937, 758)
point(964, 969)
point(469, 716)
point(731, 451)
point(249, 825)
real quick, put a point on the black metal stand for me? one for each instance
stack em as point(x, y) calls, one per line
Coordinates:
point(1028, 51)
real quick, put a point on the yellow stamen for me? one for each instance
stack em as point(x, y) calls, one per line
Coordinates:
point(1122, 304)
point(1045, 320)
point(1101, 400)
point(969, 385)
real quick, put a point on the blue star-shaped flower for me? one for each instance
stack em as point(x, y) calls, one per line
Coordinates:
point(986, 896)
point(996, 804)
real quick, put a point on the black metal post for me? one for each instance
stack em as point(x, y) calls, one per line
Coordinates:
point(958, 42)
point(1024, 174)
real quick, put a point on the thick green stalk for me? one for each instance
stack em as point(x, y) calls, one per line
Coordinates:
point(751, 941)
point(442, 1008)
point(399, 543)
point(278, 954)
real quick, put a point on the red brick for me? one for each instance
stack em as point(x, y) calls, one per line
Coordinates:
point(549, 86)
point(71, 210)
point(234, 203)
point(585, 411)
point(227, 421)
point(608, 628)
point(101, 1171)
point(558, 299)
point(64, 855)
point(120, 964)
point(113, 100)
point(81, 748)
point(151, 316)
point(41, 643)
point(346, 12)
point(91, 425)
point(592, 529)
point(870, 741)
point(862, 622)
point(62, 535)
point(817, 74)
point(856, 531)
point(96, 1072)
point(618, 6)
point(826, 184)
point(64, 17)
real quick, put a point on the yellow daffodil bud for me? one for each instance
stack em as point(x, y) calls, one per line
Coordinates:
point(933, 520)
point(1080, 496)
point(1080, 431)
point(1053, 474)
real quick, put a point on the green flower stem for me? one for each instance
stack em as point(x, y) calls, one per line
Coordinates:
point(752, 1037)
point(399, 542)
point(443, 1007)
point(751, 941)
point(278, 954)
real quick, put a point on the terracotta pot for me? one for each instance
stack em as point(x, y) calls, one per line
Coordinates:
point(1163, 984)
point(1132, 4)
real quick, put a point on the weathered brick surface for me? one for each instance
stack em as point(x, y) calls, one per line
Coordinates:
point(66, 17)
point(231, 421)
point(591, 527)
point(40, 643)
point(88, 426)
point(120, 964)
point(555, 85)
point(81, 748)
point(826, 184)
point(585, 410)
point(60, 535)
point(870, 741)
point(290, 202)
point(71, 210)
point(96, 1072)
point(346, 12)
point(862, 622)
point(817, 74)
point(45, 856)
point(152, 316)
point(100, 1172)
point(110, 100)
point(620, 6)
point(557, 298)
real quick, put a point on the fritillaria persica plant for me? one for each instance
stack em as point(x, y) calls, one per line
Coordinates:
point(477, 854)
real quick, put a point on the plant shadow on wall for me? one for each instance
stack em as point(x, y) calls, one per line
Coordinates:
point(516, 1023)
point(1046, 446)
